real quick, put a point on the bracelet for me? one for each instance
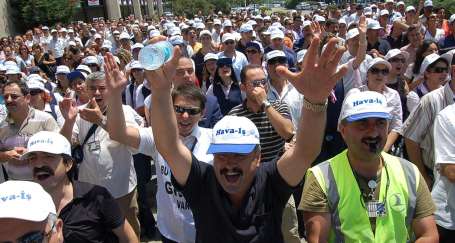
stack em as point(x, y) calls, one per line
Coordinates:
point(315, 107)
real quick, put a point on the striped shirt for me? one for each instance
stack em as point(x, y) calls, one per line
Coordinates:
point(272, 145)
point(419, 125)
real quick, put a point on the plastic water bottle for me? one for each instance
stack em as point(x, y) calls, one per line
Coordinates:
point(154, 56)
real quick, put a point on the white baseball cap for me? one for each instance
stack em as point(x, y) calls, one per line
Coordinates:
point(430, 59)
point(154, 33)
point(276, 34)
point(367, 11)
point(395, 52)
point(389, 1)
point(400, 3)
point(449, 56)
point(2, 68)
point(63, 30)
point(227, 36)
point(84, 68)
point(205, 32)
point(319, 18)
point(306, 23)
point(210, 56)
point(136, 65)
point(234, 134)
point(428, 3)
point(116, 32)
point(124, 35)
point(384, 12)
point(25, 200)
point(90, 60)
point(137, 45)
point(367, 104)
point(62, 69)
point(273, 54)
point(379, 60)
point(352, 33)
point(49, 142)
point(452, 19)
point(216, 22)
point(199, 25)
point(245, 28)
point(70, 31)
point(410, 8)
point(227, 23)
point(373, 25)
point(36, 84)
point(10, 69)
point(107, 44)
point(97, 36)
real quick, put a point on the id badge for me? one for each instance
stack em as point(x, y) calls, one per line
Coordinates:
point(94, 146)
point(376, 209)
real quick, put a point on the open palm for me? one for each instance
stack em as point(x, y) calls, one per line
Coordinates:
point(115, 80)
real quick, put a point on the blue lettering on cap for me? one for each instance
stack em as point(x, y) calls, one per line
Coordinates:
point(47, 141)
point(239, 130)
point(366, 101)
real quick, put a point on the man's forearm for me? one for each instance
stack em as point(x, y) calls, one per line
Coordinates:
point(281, 125)
point(116, 126)
point(67, 129)
point(415, 155)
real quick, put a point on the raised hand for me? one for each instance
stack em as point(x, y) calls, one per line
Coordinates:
point(362, 25)
point(162, 77)
point(319, 74)
point(92, 114)
point(68, 108)
point(115, 80)
point(317, 30)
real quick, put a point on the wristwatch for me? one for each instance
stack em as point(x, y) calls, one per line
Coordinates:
point(265, 104)
point(315, 107)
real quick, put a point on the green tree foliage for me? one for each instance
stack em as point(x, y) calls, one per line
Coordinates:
point(290, 4)
point(46, 12)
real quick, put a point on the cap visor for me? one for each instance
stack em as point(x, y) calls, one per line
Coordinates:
point(231, 148)
point(365, 115)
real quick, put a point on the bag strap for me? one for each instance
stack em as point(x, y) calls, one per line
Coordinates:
point(90, 132)
point(5, 174)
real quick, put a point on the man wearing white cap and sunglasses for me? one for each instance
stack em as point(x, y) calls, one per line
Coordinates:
point(89, 212)
point(364, 194)
point(27, 214)
point(245, 197)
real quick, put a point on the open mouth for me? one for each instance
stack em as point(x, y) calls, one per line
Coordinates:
point(232, 176)
point(373, 144)
point(42, 174)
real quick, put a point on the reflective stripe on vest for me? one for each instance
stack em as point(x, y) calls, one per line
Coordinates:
point(349, 224)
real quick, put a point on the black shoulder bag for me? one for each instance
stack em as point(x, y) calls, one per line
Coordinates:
point(77, 152)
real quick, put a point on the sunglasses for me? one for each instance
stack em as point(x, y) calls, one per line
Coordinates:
point(252, 51)
point(190, 110)
point(379, 71)
point(34, 92)
point(258, 83)
point(229, 42)
point(32, 237)
point(402, 60)
point(279, 60)
point(222, 65)
point(438, 70)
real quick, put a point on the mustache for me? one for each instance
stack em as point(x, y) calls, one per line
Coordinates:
point(235, 170)
point(45, 169)
point(373, 143)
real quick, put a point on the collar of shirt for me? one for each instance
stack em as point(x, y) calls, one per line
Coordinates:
point(274, 95)
point(449, 95)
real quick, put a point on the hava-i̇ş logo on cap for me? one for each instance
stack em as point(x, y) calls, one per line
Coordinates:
point(366, 101)
point(230, 131)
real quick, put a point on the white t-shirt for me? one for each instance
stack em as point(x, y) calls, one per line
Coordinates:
point(443, 192)
point(354, 77)
point(106, 163)
point(175, 219)
point(292, 98)
point(438, 36)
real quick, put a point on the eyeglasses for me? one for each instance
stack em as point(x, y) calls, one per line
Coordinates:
point(278, 60)
point(32, 237)
point(402, 60)
point(258, 83)
point(192, 111)
point(12, 96)
point(379, 71)
point(252, 51)
point(229, 42)
point(438, 70)
point(34, 92)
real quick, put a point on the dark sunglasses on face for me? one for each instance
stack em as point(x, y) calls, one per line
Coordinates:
point(258, 83)
point(402, 60)
point(230, 42)
point(252, 51)
point(190, 110)
point(32, 237)
point(438, 70)
point(379, 71)
point(34, 92)
point(279, 60)
point(224, 65)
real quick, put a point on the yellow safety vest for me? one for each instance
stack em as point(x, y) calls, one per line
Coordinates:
point(349, 217)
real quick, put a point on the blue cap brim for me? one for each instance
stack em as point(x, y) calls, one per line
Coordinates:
point(75, 74)
point(231, 148)
point(365, 115)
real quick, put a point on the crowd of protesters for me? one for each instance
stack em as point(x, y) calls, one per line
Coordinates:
point(331, 126)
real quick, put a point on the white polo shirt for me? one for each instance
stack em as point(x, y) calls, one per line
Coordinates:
point(443, 192)
point(290, 96)
point(175, 219)
point(106, 162)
